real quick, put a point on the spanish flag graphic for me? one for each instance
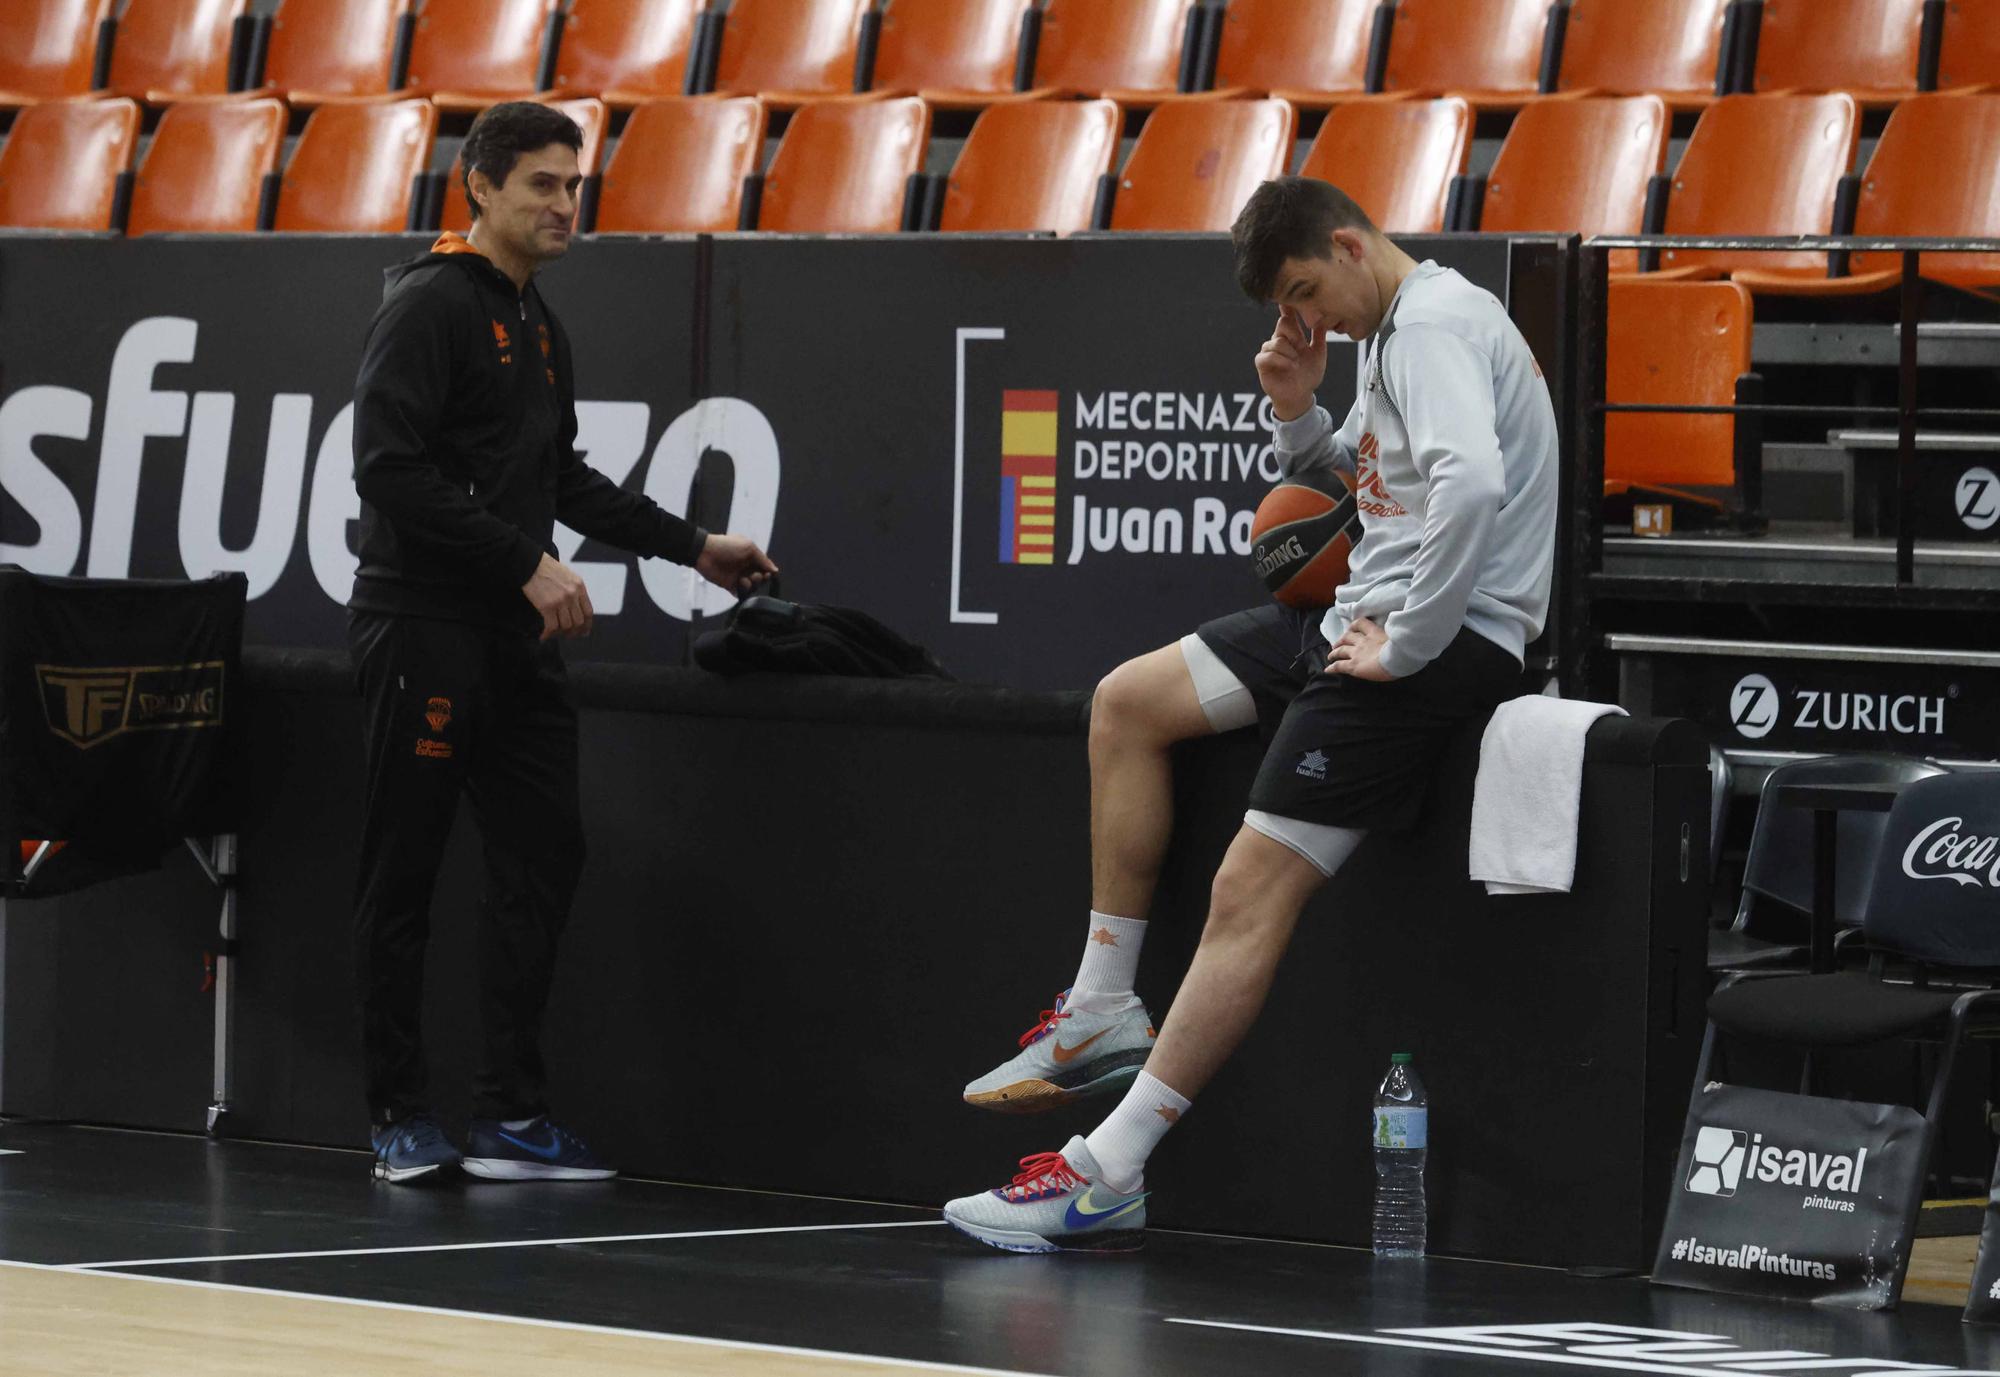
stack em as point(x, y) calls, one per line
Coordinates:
point(1028, 477)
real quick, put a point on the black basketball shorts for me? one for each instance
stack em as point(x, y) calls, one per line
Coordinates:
point(1347, 752)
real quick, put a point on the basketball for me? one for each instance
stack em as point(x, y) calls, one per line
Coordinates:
point(1301, 536)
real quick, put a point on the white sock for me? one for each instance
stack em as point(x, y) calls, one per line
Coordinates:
point(1123, 1142)
point(516, 1125)
point(1103, 982)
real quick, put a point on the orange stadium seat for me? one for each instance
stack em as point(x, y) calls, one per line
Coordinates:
point(469, 54)
point(591, 116)
point(355, 167)
point(1902, 194)
point(679, 167)
point(1309, 52)
point(1760, 165)
point(1032, 167)
point(1969, 46)
point(787, 52)
point(1579, 167)
point(1867, 48)
point(1678, 343)
point(1196, 163)
point(627, 51)
point(205, 170)
point(1130, 51)
point(60, 166)
point(1668, 48)
point(167, 49)
point(956, 54)
point(322, 50)
point(1488, 51)
point(1395, 158)
point(48, 49)
point(844, 167)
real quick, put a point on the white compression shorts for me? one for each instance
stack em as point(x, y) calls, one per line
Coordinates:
point(1325, 847)
point(1225, 699)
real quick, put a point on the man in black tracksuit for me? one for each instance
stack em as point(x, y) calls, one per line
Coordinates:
point(464, 448)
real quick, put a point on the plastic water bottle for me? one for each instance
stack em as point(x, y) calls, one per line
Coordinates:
point(1402, 1136)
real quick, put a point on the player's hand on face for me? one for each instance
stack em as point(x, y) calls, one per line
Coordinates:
point(734, 562)
point(560, 595)
point(1358, 653)
point(1292, 364)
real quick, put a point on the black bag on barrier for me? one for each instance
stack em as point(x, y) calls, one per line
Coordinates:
point(772, 635)
point(115, 696)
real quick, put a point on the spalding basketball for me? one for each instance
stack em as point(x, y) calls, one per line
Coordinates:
point(1301, 536)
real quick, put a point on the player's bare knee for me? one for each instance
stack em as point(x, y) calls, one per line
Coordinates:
point(1123, 707)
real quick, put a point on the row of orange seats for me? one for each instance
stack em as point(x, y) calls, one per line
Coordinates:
point(465, 54)
point(1755, 165)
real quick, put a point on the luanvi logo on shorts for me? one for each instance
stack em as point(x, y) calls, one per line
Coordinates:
point(1312, 765)
point(89, 705)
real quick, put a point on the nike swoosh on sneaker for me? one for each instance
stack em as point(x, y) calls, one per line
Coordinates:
point(1065, 1055)
point(547, 1154)
point(1081, 1214)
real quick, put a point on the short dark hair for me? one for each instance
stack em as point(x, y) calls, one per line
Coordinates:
point(1289, 217)
point(502, 134)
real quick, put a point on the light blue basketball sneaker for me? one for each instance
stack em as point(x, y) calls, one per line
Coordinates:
point(1070, 1054)
point(1056, 1204)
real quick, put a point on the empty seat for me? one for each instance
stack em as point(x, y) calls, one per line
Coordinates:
point(626, 51)
point(59, 169)
point(469, 54)
point(1488, 51)
point(321, 50)
point(591, 116)
point(1669, 48)
point(1395, 158)
point(787, 52)
point(1760, 165)
point(1309, 52)
point(843, 167)
point(1197, 162)
point(166, 49)
point(205, 170)
point(1678, 343)
point(354, 168)
point(679, 167)
point(1127, 50)
point(1902, 194)
point(1969, 47)
point(1032, 167)
point(1867, 48)
point(48, 49)
point(1579, 167)
point(956, 54)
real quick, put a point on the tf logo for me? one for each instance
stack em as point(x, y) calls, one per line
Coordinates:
point(437, 712)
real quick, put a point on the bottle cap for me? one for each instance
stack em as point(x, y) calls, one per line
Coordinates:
point(1399, 1059)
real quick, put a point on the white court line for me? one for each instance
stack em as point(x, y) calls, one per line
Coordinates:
point(571, 1326)
point(1533, 1355)
point(474, 1247)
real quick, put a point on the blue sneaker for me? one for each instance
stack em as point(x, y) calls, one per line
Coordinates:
point(1057, 1204)
point(411, 1150)
point(541, 1151)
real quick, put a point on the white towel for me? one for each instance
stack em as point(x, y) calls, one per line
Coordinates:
point(1526, 798)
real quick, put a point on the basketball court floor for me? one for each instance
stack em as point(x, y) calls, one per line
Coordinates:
point(148, 1253)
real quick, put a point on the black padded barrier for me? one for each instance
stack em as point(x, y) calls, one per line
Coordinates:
point(814, 908)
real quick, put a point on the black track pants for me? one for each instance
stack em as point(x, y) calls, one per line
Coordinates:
point(450, 706)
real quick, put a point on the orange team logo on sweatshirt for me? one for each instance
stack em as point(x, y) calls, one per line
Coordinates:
point(500, 336)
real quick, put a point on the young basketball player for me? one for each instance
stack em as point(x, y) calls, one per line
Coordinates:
point(1452, 443)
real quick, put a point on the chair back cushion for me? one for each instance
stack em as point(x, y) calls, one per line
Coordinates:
point(1937, 883)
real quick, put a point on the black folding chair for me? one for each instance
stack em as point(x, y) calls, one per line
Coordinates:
point(1930, 936)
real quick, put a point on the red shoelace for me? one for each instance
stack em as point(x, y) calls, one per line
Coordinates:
point(1049, 1019)
point(1041, 1174)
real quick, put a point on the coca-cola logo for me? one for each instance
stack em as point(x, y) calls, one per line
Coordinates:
point(1945, 852)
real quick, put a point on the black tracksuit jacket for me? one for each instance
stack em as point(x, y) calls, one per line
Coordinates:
point(465, 449)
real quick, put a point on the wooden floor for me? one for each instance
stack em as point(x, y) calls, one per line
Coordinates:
point(1941, 1271)
point(88, 1324)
